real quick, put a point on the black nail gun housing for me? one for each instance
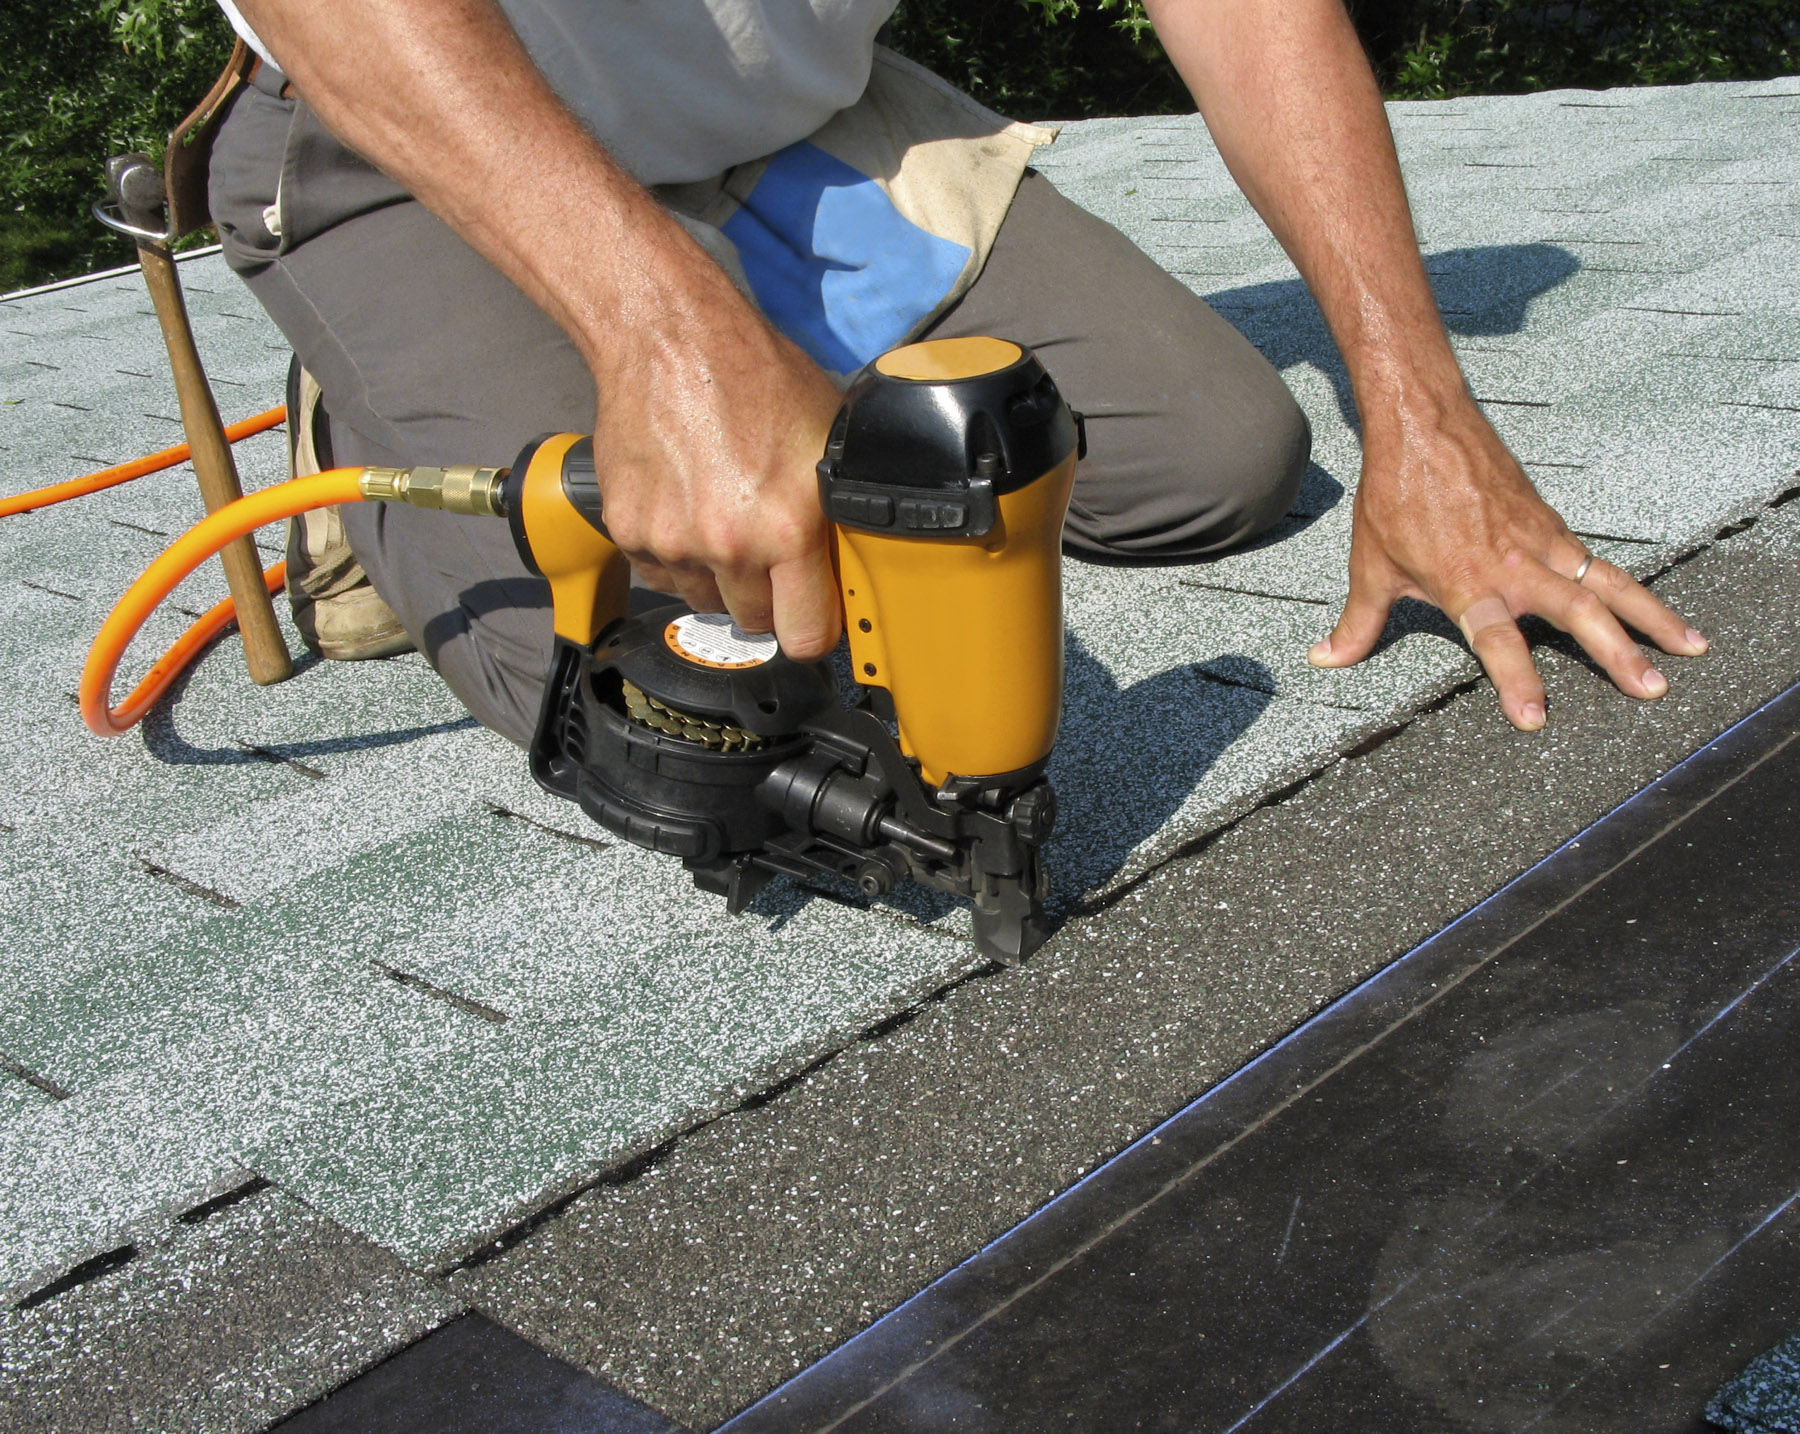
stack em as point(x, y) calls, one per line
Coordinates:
point(761, 770)
point(946, 477)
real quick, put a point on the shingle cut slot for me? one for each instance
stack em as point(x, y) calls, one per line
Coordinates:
point(251, 749)
point(54, 592)
point(1251, 592)
point(1612, 538)
point(192, 888)
point(1685, 313)
point(137, 527)
point(508, 814)
point(438, 993)
point(206, 1209)
point(31, 1077)
point(84, 1273)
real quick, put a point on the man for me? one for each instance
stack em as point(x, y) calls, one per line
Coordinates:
point(502, 270)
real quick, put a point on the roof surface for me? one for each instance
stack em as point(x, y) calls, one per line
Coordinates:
point(328, 936)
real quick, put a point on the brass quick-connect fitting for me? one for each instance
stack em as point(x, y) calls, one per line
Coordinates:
point(464, 489)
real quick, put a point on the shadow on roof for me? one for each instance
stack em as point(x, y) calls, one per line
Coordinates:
point(1483, 291)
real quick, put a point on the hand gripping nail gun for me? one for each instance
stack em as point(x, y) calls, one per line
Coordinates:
point(946, 476)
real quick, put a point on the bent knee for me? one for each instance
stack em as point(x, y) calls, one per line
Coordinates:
point(1207, 484)
point(1276, 453)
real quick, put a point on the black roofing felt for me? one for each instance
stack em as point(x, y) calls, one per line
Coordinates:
point(1533, 1175)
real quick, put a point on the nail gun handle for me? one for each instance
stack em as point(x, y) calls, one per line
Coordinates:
point(552, 502)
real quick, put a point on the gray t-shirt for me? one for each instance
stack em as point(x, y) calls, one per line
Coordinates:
point(681, 90)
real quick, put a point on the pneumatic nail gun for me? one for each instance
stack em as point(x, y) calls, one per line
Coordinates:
point(945, 479)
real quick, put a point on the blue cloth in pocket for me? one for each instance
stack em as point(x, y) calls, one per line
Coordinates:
point(833, 264)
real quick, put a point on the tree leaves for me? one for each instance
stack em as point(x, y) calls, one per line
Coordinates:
point(82, 83)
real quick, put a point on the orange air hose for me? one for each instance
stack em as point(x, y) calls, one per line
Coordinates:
point(137, 468)
point(173, 662)
point(200, 542)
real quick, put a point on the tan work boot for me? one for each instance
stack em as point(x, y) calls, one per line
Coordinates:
point(335, 606)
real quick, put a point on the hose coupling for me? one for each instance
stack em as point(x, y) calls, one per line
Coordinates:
point(465, 489)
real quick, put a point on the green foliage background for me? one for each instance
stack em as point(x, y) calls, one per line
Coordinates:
point(84, 79)
point(1074, 59)
point(1432, 49)
point(81, 80)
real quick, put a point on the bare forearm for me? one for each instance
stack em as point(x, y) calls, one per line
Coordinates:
point(1289, 98)
point(440, 95)
point(710, 420)
point(1443, 511)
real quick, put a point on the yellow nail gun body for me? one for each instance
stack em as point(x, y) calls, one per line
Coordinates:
point(945, 478)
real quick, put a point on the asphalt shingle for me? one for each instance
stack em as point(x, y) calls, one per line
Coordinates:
point(330, 933)
point(769, 1237)
point(215, 1325)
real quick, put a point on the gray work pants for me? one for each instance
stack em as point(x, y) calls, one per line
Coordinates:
point(427, 354)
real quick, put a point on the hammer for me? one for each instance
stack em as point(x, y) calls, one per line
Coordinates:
point(135, 188)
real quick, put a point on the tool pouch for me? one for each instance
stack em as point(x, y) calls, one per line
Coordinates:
point(189, 153)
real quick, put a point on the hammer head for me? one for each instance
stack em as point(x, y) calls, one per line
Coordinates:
point(135, 184)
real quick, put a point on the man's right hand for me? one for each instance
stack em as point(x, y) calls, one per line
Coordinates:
point(709, 429)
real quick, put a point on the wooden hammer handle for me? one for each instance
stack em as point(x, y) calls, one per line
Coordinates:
point(265, 650)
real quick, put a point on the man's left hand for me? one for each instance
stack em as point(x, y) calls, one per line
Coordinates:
point(1445, 514)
